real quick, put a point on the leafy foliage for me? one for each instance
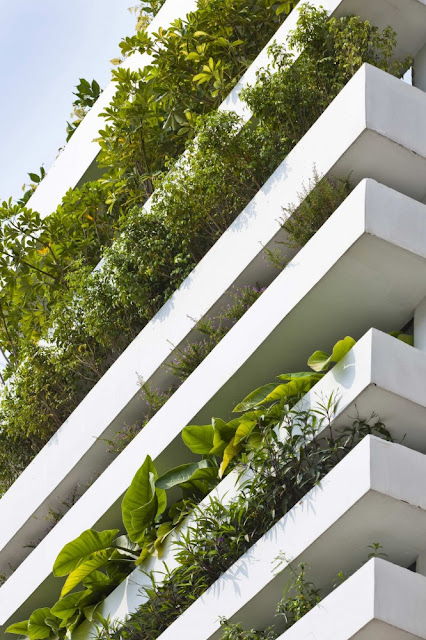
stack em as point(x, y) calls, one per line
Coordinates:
point(283, 470)
point(61, 323)
point(86, 95)
point(317, 202)
point(286, 452)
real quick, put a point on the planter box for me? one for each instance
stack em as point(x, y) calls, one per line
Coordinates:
point(368, 378)
point(381, 600)
point(383, 375)
point(372, 495)
point(361, 132)
point(77, 163)
point(375, 238)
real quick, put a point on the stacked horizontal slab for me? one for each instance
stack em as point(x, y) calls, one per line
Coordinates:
point(362, 274)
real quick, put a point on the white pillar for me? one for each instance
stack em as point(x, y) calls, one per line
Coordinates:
point(420, 326)
point(419, 69)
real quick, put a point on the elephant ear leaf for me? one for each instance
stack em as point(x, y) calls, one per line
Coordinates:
point(144, 516)
point(201, 482)
point(68, 606)
point(199, 438)
point(244, 431)
point(320, 360)
point(97, 560)
point(255, 398)
point(90, 612)
point(80, 549)
point(20, 628)
point(142, 502)
point(38, 629)
point(181, 474)
point(230, 452)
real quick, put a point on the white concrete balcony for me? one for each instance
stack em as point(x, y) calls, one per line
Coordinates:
point(77, 163)
point(375, 129)
point(342, 275)
point(374, 494)
point(381, 375)
point(380, 601)
point(368, 379)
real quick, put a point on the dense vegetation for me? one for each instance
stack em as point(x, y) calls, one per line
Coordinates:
point(283, 451)
point(56, 347)
point(63, 324)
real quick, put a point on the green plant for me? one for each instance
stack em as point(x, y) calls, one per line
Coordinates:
point(86, 95)
point(71, 323)
point(236, 632)
point(300, 596)
point(317, 202)
point(29, 189)
point(188, 358)
point(219, 535)
point(100, 560)
point(260, 409)
point(212, 331)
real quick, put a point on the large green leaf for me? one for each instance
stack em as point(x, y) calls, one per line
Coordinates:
point(180, 474)
point(255, 398)
point(97, 560)
point(202, 481)
point(80, 549)
point(37, 627)
point(294, 387)
point(68, 606)
point(90, 612)
point(226, 430)
point(292, 376)
point(230, 452)
point(199, 438)
point(320, 360)
point(244, 430)
point(20, 628)
point(144, 516)
point(143, 502)
point(137, 495)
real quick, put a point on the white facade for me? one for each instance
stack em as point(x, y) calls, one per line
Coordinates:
point(364, 273)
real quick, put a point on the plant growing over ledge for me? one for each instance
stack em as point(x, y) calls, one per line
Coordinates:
point(87, 319)
point(260, 409)
point(317, 202)
point(285, 453)
point(299, 597)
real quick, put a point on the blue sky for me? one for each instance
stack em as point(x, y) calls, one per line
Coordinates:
point(45, 47)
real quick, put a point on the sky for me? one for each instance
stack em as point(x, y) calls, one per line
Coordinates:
point(45, 47)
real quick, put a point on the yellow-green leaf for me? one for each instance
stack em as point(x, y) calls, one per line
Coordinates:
point(230, 452)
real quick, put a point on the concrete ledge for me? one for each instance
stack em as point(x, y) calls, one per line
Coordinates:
point(80, 152)
point(361, 132)
point(407, 18)
point(338, 284)
point(368, 379)
point(381, 600)
point(78, 160)
point(381, 375)
point(372, 495)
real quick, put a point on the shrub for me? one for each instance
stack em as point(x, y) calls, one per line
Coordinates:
point(284, 470)
point(316, 204)
point(88, 318)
